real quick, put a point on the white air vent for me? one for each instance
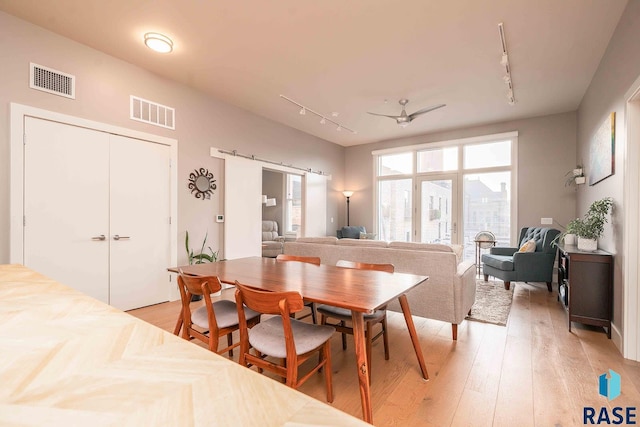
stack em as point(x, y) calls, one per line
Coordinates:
point(52, 81)
point(153, 113)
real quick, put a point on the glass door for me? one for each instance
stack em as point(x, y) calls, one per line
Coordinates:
point(437, 209)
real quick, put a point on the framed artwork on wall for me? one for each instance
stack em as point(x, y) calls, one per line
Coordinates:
point(602, 151)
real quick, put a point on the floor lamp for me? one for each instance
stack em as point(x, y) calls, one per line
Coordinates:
point(347, 194)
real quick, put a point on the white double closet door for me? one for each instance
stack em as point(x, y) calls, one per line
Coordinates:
point(97, 212)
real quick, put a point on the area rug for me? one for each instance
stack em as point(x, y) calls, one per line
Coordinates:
point(493, 302)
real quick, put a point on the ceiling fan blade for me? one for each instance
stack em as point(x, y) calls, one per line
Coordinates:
point(383, 115)
point(425, 110)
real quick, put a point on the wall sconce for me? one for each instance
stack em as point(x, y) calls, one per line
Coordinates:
point(348, 195)
point(264, 199)
point(271, 202)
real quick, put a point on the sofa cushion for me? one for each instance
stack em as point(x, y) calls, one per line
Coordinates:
point(501, 262)
point(351, 232)
point(363, 242)
point(269, 230)
point(414, 246)
point(326, 240)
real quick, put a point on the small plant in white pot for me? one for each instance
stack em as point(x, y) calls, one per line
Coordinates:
point(590, 228)
point(571, 230)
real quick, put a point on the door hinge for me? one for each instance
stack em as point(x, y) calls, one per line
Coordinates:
point(169, 220)
point(24, 139)
point(24, 221)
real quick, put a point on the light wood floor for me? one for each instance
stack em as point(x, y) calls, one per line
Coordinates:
point(532, 372)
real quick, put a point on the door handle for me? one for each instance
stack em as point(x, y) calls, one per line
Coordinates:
point(118, 237)
point(100, 237)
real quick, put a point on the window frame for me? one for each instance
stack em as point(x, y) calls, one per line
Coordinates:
point(460, 172)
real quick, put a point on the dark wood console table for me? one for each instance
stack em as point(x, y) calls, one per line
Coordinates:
point(585, 281)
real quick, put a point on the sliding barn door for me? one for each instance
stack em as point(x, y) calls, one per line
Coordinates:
point(243, 209)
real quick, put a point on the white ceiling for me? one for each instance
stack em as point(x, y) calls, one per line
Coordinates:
point(350, 56)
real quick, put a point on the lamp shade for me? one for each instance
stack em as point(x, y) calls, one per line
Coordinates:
point(347, 193)
point(271, 202)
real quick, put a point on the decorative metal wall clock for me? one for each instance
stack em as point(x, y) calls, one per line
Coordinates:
point(201, 183)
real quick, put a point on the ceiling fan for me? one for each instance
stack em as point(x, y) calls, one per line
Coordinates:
point(404, 119)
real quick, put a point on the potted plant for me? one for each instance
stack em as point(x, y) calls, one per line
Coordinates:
point(590, 228)
point(199, 258)
point(575, 176)
point(571, 231)
point(202, 257)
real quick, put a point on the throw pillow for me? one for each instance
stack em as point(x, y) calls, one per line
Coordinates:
point(528, 246)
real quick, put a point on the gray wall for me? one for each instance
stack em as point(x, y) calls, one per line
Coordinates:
point(103, 87)
point(273, 187)
point(546, 151)
point(619, 68)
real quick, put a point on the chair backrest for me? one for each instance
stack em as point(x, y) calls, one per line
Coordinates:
point(269, 230)
point(197, 285)
point(542, 236)
point(389, 268)
point(267, 302)
point(308, 259)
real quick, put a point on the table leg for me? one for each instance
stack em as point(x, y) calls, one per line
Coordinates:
point(412, 333)
point(361, 362)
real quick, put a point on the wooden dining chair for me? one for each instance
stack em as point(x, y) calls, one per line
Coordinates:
point(310, 260)
point(282, 337)
point(212, 320)
point(343, 315)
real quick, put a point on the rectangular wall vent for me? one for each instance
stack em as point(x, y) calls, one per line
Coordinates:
point(52, 81)
point(153, 113)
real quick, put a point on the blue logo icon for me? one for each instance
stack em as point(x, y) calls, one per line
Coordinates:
point(609, 387)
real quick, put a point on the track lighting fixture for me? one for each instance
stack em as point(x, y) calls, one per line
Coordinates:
point(504, 61)
point(323, 119)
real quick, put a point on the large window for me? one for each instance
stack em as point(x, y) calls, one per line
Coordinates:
point(293, 210)
point(447, 192)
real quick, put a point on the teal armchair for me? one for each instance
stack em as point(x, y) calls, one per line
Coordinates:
point(509, 265)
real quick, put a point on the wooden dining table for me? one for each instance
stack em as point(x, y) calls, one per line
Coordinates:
point(361, 291)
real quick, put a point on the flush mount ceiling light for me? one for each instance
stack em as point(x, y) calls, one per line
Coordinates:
point(158, 42)
point(504, 61)
point(323, 119)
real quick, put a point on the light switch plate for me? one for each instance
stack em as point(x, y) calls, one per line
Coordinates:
point(219, 218)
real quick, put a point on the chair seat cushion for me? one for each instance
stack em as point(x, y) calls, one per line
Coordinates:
point(268, 336)
point(226, 314)
point(344, 314)
point(501, 262)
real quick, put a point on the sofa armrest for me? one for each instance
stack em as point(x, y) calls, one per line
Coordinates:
point(464, 290)
point(503, 251)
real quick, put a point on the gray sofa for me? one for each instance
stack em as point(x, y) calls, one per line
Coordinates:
point(448, 294)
